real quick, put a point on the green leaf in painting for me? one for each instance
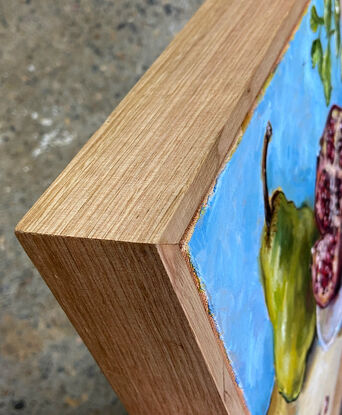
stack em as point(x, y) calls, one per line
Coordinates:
point(315, 20)
point(337, 16)
point(317, 55)
point(327, 15)
point(326, 74)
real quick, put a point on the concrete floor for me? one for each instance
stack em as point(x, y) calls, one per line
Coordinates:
point(64, 66)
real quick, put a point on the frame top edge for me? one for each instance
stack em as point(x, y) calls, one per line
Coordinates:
point(143, 174)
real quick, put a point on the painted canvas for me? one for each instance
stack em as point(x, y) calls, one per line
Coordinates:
point(266, 247)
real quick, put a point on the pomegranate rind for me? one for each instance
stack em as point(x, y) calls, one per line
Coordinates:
point(328, 187)
point(326, 274)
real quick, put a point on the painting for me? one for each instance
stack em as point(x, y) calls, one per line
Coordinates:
point(266, 245)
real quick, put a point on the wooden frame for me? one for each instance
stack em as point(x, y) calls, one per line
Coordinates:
point(107, 235)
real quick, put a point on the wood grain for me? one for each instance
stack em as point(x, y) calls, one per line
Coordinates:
point(147, 331)
point(106, 236)
point(142, 175)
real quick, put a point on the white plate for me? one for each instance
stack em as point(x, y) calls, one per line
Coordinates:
point(329, 321)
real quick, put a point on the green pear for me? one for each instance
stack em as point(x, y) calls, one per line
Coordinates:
point(285, 257)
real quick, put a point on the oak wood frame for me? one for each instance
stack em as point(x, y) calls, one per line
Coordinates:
point(107, 235)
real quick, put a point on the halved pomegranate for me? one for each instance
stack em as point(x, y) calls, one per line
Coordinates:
point(326, 267)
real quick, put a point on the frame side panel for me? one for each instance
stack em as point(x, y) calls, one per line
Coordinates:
point(121, 301)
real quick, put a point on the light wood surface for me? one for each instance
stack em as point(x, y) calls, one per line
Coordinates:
point(129, 313)
point(142, 175)
point(107, 235)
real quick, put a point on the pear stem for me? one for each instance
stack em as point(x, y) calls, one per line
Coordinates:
point(267, 206)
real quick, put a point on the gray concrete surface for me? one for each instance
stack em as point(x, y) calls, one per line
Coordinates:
point(64, 65)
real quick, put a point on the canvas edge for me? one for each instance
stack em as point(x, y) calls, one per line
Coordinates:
point(184, 243)
point(186, 287)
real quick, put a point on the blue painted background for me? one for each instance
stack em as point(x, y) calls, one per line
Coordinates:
point(225, 244)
